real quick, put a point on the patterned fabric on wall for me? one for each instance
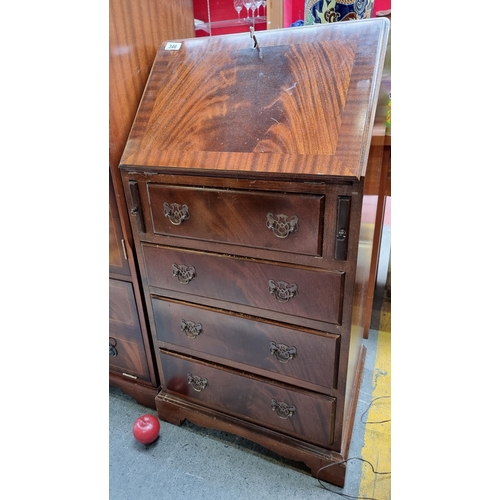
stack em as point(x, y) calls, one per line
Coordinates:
point(330, 11)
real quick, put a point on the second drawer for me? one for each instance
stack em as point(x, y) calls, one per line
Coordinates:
point(303, 293)
point(270, 349)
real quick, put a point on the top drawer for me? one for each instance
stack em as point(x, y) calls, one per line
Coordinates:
point(283, 222)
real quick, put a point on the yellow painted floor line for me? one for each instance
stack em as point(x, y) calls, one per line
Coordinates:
point(377, 440)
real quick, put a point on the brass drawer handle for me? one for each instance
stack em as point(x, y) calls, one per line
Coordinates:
point(281, 226)
point(192, 330)
point(197, 383)
point(283, 353)
point(176, 213)
point(282, 290)
point(112, 347)
point(283, 410)
point(183, 273)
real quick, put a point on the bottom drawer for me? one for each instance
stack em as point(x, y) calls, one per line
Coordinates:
point(298, 413)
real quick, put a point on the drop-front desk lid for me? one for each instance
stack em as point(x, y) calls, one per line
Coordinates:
point(300, 104)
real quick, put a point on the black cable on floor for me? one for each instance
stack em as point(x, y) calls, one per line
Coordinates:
point(342, 462)
point(356, 458)
point(369, 406)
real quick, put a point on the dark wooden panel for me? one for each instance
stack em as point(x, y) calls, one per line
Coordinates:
point(311, 359)
point(342, 229)
point(136, 209)
point(239, 217)
point(251, 398)
point(312, 293)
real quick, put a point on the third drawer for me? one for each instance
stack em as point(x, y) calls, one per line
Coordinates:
point(293, 355)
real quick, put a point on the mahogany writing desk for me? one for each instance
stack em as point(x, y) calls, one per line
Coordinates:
point(244, 178)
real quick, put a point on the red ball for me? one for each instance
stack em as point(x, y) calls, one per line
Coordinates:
point(146, 429)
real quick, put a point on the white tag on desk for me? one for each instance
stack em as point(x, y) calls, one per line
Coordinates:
point(173, 46)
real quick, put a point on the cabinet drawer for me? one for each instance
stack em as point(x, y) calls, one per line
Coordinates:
point(127, 358)
point(298, 413)
point(267, 349)
point(312, 294)
point(126, 346)
point(289, 223)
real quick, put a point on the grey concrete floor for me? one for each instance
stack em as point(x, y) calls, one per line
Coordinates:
point(190, 462)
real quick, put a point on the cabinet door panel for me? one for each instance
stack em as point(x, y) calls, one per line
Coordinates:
point(117, 262)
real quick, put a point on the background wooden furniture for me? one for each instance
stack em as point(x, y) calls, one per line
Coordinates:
point(378, 186)
point(244, 177)
point(378, 174)
point(135, 31)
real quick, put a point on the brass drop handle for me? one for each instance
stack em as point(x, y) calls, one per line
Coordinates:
point(197, 383)
point(283, 353)
point(281, 226)
point(192, 330)
point(283, 410)
point(112, 347)
point(184, 274)
point(282, 290)
point(176, 213)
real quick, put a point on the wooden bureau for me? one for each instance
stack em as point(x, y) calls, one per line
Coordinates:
point(243, 175)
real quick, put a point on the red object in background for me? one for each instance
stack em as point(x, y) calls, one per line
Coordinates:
point(381, 5)
point(223, 10)
point(146, 429)
point(293, 10)
point(178, 384)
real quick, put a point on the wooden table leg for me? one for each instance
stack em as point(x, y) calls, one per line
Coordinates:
point(377, 182)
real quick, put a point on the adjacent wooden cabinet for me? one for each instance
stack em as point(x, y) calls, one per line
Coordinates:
point(136, 30)
point(244, 177)
point(131, 364)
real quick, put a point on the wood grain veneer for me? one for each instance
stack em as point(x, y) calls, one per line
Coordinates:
point(295, 111)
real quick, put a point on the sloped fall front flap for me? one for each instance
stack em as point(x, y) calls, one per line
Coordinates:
point(299, 104)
